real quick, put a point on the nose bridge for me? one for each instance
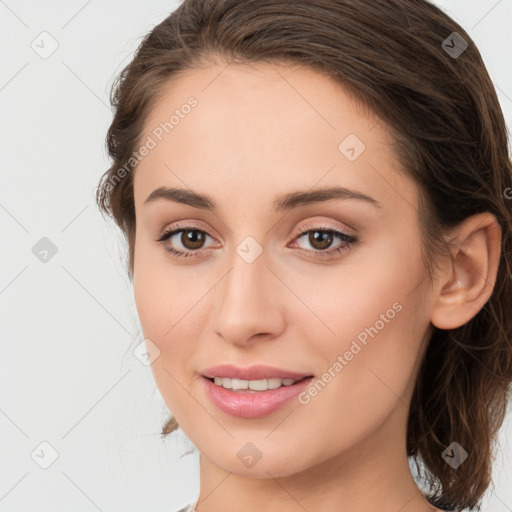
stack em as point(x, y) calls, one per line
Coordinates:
point(246, 300)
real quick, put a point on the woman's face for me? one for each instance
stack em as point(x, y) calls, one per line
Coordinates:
point(254, 291)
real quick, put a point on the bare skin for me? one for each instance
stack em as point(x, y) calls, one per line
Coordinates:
point(259, 132)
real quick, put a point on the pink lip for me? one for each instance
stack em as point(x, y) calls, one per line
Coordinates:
point(252, 373)
point(243, 404)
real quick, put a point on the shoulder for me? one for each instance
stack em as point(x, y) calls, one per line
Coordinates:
point(188, 508)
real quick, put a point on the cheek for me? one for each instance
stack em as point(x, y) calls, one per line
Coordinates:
point(147, 292)
point(374, 314)
point(351, 297)
point(377, 375)
point(168, 300)
point(155, 300)
point(162, 301)
point(156, 288)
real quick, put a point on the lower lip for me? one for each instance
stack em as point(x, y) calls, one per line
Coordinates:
point(253, 405)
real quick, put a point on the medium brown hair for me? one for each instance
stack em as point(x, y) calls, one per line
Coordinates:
point(450, 137)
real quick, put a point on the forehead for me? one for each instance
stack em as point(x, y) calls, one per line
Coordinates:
point(259, 129)
point(244, 100)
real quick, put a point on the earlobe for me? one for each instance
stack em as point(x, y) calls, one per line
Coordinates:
point(464, 284)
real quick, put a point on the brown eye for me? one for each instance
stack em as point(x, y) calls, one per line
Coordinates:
point(185, 241)
point(320, 239)
point(192, 238)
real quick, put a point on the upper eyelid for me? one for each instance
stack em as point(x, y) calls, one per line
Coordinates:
point(318, 224)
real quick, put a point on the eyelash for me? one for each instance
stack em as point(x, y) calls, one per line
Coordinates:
point(349, 241)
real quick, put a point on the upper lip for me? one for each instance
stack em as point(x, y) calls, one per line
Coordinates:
point(257, 372)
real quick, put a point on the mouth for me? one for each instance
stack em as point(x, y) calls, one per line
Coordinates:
point(256, 385)
point(255, 391)
point(237, 398)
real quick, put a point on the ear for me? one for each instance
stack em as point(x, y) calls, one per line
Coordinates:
point(465, 283)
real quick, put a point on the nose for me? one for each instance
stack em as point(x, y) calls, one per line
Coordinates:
point(248, 302)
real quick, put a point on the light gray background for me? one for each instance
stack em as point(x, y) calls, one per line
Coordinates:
point(67, 373)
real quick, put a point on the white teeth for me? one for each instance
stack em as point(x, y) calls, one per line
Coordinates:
point(254, 385)
point(239, 384)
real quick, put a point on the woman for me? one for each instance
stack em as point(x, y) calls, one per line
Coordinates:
point(314, 195)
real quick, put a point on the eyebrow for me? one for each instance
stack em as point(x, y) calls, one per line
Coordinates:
point(285, 202)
